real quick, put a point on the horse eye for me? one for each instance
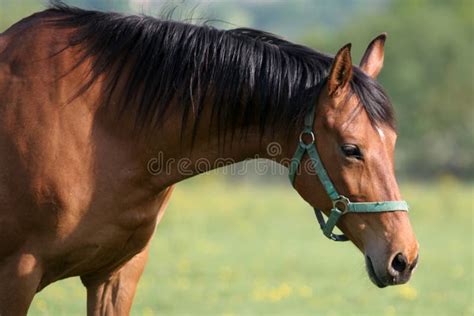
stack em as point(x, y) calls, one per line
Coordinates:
point(351, 151)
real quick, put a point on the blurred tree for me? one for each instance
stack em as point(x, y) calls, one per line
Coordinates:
point(428, 73)
point(12, 11)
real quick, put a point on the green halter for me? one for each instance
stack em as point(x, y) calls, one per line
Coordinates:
point(341, 204)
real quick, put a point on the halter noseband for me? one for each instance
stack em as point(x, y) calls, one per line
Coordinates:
point(341, 204)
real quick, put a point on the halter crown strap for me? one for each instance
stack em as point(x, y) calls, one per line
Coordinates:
point(341, 204)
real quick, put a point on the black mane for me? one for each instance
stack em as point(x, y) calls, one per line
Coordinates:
point(247, 76)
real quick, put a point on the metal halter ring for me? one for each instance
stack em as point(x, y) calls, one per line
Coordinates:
point(313, 138)
point(341, 201)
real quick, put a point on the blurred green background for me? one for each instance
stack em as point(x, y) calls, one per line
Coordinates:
point(262, 253)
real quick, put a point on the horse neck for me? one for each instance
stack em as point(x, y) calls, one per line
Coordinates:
point(171, 153)
point(179, 154)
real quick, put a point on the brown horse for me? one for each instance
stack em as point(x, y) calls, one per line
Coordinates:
point(88, 98)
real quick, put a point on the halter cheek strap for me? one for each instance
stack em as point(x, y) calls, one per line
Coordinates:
point(341, 204)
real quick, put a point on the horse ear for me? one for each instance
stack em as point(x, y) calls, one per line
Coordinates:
point(341, 70)
point(372, 62)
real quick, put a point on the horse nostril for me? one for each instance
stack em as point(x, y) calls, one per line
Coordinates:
point(399, 263)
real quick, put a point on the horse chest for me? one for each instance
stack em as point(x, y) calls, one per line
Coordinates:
point(99, 246)
point(105, 238)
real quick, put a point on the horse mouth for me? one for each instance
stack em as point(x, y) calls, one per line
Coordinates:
point(371, 271)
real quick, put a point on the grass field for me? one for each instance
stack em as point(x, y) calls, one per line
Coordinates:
point(248, 249)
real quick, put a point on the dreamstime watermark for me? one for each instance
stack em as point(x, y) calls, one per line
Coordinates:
point(274, 149)
point(273, 164)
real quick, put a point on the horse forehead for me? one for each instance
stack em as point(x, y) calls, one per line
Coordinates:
point(386, 133)
point(380, 132)
point(353, 118)
point(356, 124)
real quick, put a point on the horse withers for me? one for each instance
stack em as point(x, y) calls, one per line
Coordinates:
point(86, 98)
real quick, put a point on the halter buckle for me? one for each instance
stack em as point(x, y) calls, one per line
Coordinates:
point(307, 132)
point(342, 204)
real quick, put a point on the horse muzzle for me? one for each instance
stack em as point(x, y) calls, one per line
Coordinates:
point(397, 271)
